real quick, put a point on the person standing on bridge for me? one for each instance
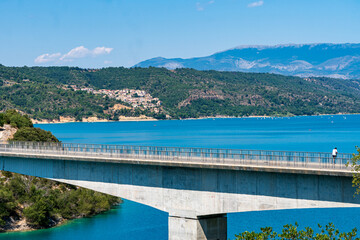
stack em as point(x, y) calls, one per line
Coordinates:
point(334, 154)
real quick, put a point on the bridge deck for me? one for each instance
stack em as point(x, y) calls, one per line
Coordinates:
point(234, 159)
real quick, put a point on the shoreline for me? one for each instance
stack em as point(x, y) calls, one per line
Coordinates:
point(23, 227)
point(92, 120)
point(144, 118)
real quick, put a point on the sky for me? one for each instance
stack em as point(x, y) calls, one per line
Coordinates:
point(103, 33)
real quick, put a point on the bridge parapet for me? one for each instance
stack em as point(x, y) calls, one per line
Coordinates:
point(209, 156)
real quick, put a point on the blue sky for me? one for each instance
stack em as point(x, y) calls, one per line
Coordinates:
point(94, 33)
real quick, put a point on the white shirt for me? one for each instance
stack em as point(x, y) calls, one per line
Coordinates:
point(334, 152)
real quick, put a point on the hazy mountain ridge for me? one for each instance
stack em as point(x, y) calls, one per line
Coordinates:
point(325, 59)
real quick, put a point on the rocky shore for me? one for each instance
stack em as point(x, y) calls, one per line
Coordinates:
point(16, 224)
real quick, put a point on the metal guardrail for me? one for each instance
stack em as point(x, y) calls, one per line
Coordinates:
point(311, 160)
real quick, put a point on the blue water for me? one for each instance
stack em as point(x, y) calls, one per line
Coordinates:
point(134, 221)
point(129, 220)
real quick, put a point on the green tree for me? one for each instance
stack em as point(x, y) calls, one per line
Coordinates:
point(2, 120)
point(7, 204)
point(34, 134)
point(355, 165)
point(15, 119)
point(38, 214)
point(292, 232)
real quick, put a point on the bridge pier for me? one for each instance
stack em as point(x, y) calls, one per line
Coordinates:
point(211, 227)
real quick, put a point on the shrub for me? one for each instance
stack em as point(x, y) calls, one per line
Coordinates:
point(15, 119)
point(34, 134)
point(38, 214)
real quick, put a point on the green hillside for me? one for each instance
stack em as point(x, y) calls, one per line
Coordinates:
point(184, 93)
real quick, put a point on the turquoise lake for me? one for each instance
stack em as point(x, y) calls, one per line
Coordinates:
point(131, 220)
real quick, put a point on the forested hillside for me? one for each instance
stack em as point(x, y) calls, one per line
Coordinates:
point(184, 93)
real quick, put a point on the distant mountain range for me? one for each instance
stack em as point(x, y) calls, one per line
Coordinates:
point(323, 59)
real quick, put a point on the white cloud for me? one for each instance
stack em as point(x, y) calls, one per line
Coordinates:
point(201, 7)
point(47, 58)
point(78, 52)
point(256, 4)
point(101, 50)
point(75, 53)
point(81, 52)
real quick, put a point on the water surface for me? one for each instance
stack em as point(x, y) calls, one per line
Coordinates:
point(134, 221)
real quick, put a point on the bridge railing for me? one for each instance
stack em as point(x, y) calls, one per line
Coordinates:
point(186, 154)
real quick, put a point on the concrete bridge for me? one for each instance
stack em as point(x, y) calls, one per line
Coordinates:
point(197, 187)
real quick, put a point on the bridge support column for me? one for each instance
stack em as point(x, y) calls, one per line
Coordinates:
point(211, 227)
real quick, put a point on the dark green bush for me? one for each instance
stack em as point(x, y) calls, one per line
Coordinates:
point(15, 119)
point(7, 203)
point(289, 231)
point(34, 134)
point(38, 214)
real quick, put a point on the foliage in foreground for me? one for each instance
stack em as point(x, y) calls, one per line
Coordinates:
point(355, 165)
point(44, 203)
point(292, 232)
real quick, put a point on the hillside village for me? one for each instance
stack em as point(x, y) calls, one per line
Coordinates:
point(136, 98)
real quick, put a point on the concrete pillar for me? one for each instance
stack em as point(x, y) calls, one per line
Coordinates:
point(211, 227)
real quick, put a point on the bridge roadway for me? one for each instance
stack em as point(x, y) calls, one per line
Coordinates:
point(197, 187)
